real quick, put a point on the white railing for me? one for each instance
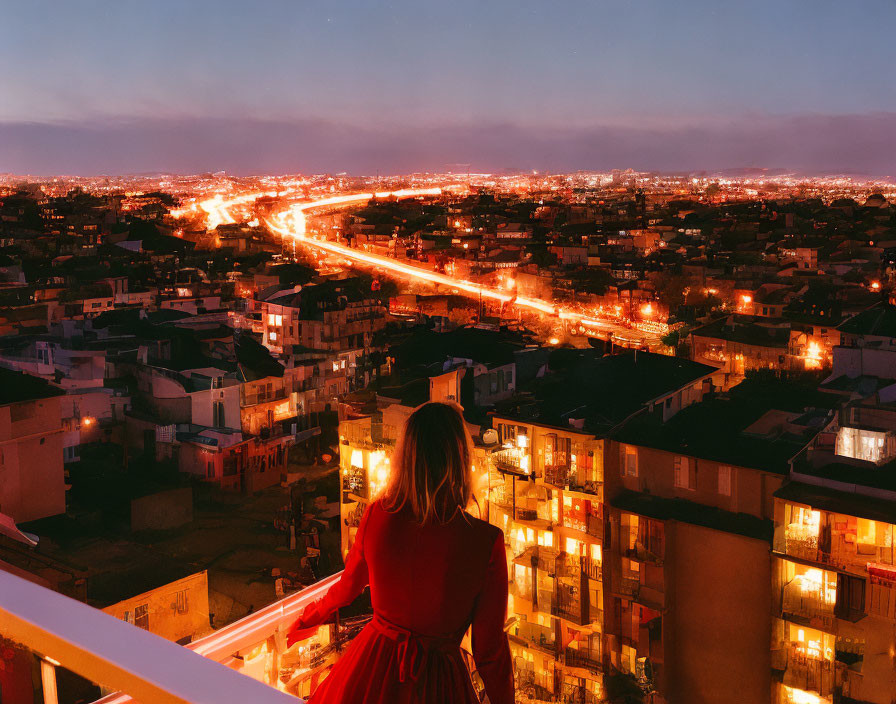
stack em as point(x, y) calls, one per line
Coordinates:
point(138, 664)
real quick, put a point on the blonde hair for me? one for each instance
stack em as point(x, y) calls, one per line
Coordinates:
point(431, 469)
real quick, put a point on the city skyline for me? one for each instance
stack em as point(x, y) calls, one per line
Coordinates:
point(282, 88)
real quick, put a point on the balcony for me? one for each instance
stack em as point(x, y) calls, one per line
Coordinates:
point(534, 635)
point(568, 604)
point(255, 397)
point(627, 585)
point(557, 476)
point(543, 558)
point(592, 524)
point(809, 598)
point(839, 546)
point(146, 668)
point(511, 460)
point(584, 659)
point(572, 480)
point(810, 674)
point(355, 482)
point(577, 694)
point(532, 687)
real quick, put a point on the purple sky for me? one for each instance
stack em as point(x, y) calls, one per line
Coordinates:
point(361, 86)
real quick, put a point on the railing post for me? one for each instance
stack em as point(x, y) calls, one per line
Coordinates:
point(48, 682)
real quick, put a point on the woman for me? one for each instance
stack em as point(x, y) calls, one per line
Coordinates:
point(433, 570)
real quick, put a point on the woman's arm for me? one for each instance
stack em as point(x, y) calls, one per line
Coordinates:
point(350, 585)
point(490, 649)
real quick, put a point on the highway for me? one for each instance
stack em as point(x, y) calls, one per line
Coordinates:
point(290, 224)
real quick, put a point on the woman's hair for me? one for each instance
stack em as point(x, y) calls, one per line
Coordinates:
point(431, 466)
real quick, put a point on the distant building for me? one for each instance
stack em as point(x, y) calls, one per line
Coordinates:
point(32, 477)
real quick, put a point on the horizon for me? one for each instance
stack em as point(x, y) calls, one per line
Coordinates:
point(316, 88)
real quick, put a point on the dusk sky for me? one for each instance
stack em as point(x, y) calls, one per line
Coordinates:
point(358, 86)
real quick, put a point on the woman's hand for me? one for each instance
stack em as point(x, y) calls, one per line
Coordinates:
point(299, 631)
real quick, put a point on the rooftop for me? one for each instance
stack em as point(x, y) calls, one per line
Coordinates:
point(604, 391)
point(878, 320)
point(17, 387)
point(746, 332)
point(761, 424)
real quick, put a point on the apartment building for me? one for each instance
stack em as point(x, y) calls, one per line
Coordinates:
point(834, 635)
point(337, 316)
point(547, 493)
point(690, 506)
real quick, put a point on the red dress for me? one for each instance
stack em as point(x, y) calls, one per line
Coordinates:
point(428, 584)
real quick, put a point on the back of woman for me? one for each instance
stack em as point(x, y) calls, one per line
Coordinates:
point(433, 570)
point(426, 578)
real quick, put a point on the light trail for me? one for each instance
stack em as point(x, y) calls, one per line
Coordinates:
point(297, 211)
point(291, 225)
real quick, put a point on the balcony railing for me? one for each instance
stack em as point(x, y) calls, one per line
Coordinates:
point(508, 461)
point(535, 635)
point(576, 694)
point(807, 608)
point(582, 658)
point(592, 524)
point(568, 605)
point(808, 673)
point(557, 476)
point(627, 585)
point(253, 398)
point(137, 663)
point(840, 550)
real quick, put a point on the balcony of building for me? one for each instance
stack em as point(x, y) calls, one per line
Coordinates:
point(527, 504)
point(254, 396)
point(583, 658)
point(803, 659)
point(355, 483)
point(247, 661)
point(569, 604)
point(808, 595)
point(534, 635)
point(583, 516)
point(582, 479)
point(533, 685)
point(512, 460)
point(793, 695)
point(844, 542)
point(539, 557)
point(577, 693)
point(568, 568)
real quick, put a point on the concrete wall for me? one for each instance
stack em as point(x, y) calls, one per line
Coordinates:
point(32, 477)
point(717, 630)
point(858, 361)
point(203, 410)
point(177, 611)
point(751, 489)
